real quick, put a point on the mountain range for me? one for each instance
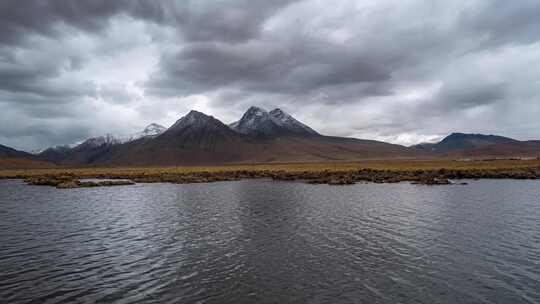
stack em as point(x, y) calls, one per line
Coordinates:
point(259, 136)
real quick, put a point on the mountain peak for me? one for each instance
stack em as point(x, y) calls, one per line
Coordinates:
point(254, 110)
point(150, 131)
point(196, 120)
point(154, 129)
point(259, 122)
point(285, 120)
point(195, 113)
point(190, 118)
point(465, 141)
point(456, 136)
point(255, 121)
point(277, 111)
point(98, 141)
point(8, 152)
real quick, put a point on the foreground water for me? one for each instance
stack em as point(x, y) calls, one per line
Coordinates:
point(271, 242)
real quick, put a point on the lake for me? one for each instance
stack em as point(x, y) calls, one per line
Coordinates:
point(261, 241)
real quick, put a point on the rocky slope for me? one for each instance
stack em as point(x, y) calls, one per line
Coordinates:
point(258, 122)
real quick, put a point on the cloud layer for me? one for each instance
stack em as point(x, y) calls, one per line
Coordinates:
point(405, 73)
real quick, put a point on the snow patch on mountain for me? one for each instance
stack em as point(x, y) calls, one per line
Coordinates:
point(285, 120)
point(257, 121)
point(99, 141)
point(151, 131)
point(194, 120)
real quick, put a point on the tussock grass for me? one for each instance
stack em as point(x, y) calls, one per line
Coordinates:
point(386, 165)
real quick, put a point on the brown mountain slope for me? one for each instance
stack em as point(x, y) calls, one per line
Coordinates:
point(15, 159)
point(21, 163)
point(199, 139)
point(480, 146)
point(7, 152)
point(513, 149)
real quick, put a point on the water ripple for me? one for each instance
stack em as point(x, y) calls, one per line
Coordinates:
point(271, 242)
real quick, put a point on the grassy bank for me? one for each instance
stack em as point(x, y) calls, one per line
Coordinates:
point(417, 171)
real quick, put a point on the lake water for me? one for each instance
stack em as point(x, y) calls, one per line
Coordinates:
point(271, 242)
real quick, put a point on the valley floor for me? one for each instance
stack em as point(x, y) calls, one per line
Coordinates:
point(430, 172)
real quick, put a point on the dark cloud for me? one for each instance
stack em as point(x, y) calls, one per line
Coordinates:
point(20, 18)
point(403, 72)
point(502, 22)
point(264, 67)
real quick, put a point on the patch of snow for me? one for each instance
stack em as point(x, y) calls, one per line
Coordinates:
point(192, 118)
point(257, 121)
point(151, 131)
point(99, 141)
point(288, 122)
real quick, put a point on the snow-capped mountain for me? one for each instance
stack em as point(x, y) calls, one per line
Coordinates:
point(193, 119)
point(60, 149)
point(99, 141)
point(196, 122)
point(197, 138)
point(259, 122)
point(256, 121)
point(151, 131)
point(288, 122)
point(36, 151)
point(197, 130)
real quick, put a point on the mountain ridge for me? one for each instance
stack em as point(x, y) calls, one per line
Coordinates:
point(264, 137)
point(257, 121)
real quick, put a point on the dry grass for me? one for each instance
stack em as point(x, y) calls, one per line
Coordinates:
point(18, 163)
point(391, 165)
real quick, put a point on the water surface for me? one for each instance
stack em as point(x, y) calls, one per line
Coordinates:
point(271, 242)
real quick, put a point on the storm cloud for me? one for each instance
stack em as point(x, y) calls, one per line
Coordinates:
point(402, 72)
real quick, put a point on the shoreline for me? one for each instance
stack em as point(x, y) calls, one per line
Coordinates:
point(439, 172)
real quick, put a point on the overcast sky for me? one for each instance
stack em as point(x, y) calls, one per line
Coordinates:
point(399, 71)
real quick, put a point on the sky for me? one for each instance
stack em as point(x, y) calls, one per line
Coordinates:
point(404, 72)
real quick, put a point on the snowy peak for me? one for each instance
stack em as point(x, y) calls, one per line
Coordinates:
point(198, 123)
point(288, 122)
point(151, 131)
point(193, 119)
point(255, 112)
point(57, 149)
point(258, 122)
point(94, 142)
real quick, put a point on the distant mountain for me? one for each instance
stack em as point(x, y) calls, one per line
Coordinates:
point(194, 139)
point(96, 148)
point(150, 131)
point(94, 142)
point(7, 152)
point(462, 141)
point(15, 159)
point(266, 137)
point(258, 122)
point(201, 139)
point(289, 123)
point(55, 154)
point(480, 145)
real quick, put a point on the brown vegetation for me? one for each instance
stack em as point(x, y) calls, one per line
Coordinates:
point(432, 172)
point(70, 181)
point(21, 163)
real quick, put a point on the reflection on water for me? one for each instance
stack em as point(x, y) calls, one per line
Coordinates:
point(271, 242)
